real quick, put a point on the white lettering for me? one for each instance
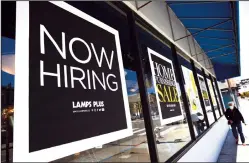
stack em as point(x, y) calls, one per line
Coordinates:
point(44, 30)
point(42, 73)
point(102, 83)
point(114, 83)
point(73, 55)
point(103, 53)
point(65, 76)
point(77, 78)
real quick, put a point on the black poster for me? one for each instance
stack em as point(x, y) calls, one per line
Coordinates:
point(166, 89)
point(204, 91)
point(76, 90)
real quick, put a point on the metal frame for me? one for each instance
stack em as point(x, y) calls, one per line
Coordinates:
point(219, 45)
point(204, 29)
point(136, 52)
point(182, 88)
point(216, 98)
point(221, 55)
point(211, 29)
point(226, 19)
point(207, 18)
point(194, 41)
point(219, 95)
point(209, 94)
point(216, 49)
point(194, 2)
point(215, 38)
point(199, 92)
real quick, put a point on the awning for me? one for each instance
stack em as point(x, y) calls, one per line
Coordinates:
point(215, 26)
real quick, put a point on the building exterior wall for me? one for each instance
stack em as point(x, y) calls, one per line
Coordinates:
point(210, 145)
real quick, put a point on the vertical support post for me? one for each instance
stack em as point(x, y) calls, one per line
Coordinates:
point(199, 92)
point(184, 95)
point(215, 95)
point(209, 94)
point(136, 52)
point(219, 95)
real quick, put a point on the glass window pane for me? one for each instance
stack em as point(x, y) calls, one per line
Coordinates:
point(206, 98)
point(219, 104)
point(135, 147)
point(197, 115)
point(212, 98)
point(130, 149)
point(174, 134)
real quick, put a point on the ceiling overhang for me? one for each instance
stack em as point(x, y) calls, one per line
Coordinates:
point(215, 26)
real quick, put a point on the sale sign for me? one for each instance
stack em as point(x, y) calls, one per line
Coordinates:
point(164, 80)
point(204, 92)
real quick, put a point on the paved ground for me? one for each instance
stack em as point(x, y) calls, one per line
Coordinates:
point(229, 150)
point(232, 152)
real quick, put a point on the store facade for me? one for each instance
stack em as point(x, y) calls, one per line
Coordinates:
point(96, 82)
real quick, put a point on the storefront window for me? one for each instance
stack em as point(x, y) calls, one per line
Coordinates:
point(130, 149)
point(218, 99)
point(206, 99)
point(133, 148)
point(213, 97)
point(170, 124)
point(197, 115)
point(169, 119)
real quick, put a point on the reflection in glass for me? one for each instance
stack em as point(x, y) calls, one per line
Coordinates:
point(171, 137)
point(213, 98)
point(194, 102)
point(130, 149)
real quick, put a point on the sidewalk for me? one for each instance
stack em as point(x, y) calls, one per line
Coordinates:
point(237, 153)
point(229, 149)
point(233, 153)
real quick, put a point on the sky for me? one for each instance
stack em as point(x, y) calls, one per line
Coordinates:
point(244, 39)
